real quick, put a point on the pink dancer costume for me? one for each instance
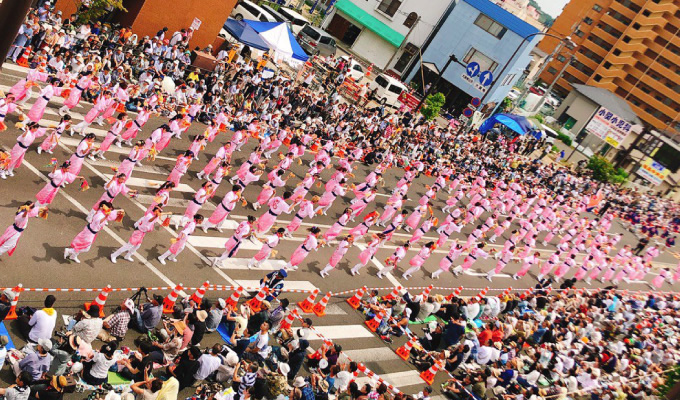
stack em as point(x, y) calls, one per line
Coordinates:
point(9, 239)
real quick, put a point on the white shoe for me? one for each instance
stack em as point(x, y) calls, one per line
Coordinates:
point(2, 175)
point(128, 258)
point(205, 229)
point(544, 243)
point(50, 152)
point(515, 277)
point(161, 260)
point(217, 262)
point(405, 277)
point(71, 132)
point(380, 275)
point(353, 272)
point(199, 175)
point(113, 258)
point(10, 173)
point(39, 150)
point(75, 258)
point(118, 144)
point(67, 253)
point(488, 278)
point(219, 229)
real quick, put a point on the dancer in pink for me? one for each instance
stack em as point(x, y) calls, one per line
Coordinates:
point(569, 263)
point(112, 135)
point(143, 226)
point(9, 239)
point(82, 150)
point(306, 210)
point(503, 260)
point(446, 262)
point(277, 206)
point(396, 223)
point(419, 259)
point(393, 205)
point(360, 206)
point(414, 219)
point(658, 281)
point(392, 261)
point(310, 243)
point(329, 196)
point(180, 242)
point(470, 259)
point(36, 112)
point(303, 187)
point(102, 104)
point(552, 263)
point(112, 188)
point(340, 251)
point(59, 177)
point(135, 126)
point(84, 240)
point(243, 231)
point(368, 253)
point(220, 157)
point(54, 135)
point(22, 89)
point(202, 195)
point(7, 106)
point(338, 226)
point(181, 167)
point(584, 268)
point(134, 156)
point(527, 263)
point(360, 230)
point(424, 229)
point(274, 181)
point(267, 249)
point(83, 83)
point(223, 209)
point(31, 132)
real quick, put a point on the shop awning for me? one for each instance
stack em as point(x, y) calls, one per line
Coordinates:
point(514, 122)
point(372, 23)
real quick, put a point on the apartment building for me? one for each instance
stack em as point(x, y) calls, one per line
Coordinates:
point(630, 47)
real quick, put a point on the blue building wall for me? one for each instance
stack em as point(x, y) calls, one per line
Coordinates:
point(459, 33)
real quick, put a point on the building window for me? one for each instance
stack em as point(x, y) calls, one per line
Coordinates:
point(410, 20)
point(597, 8)
point(598, 78)
point(552, 71)
point(588, 21)
point(490, 26)
point(485, 63)
point(561, 58)
point(579, 33)
point(409, 51)
point(508, 79)
point(607, 65)
point(389, 7)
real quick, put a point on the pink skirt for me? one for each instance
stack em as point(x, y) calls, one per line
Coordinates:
point(265, 194)
point(219, 215)
point(367, 254)
point(130, 133)
point(110, 111)
point(107, 142)
point(581, 273)
point(16, 156)
point(326, 199)
point(76, 165)
point(73, 98)
point(359, 230)
point(178, 246)
point(335, 258)
point(46, 194)
point(210, 167)
point(414, 219)
point(416, 262)
point(658, 281)
point(294, 225)
point(560, 271)
point(263, 254)
point(91, 115)
point(265, 222)
point(136, 237)
point(19, 90)
point(388, 214)
point(36, 112)
point(609, 274)
point(192, 209)
point(126, 167)
point(445, 264)
point(83, 241)
point(175, 176)
point(525, 268)
point(333, 231)
point(298, 256)
point(49, 143)
point(10, 233)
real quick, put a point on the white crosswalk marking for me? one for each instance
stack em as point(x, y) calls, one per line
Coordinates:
point(152, 183)
point(289, 285)
point(375, 354)
point(149, 169)
point(219, 242)
point(339, 332)
point(179, 203)
point(397, 379)
point(242, 263)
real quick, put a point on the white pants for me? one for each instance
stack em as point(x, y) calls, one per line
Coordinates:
point(126, 248)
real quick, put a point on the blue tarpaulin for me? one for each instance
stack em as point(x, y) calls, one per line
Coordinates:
point(279, 38)
point(516, 123)
point(244, 33)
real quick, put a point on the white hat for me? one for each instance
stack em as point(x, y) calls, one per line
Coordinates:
point(77, 367)
point(299, 382)
point(129, 304)
point(283, 367)
point(232, 359)
point(45, 344)
point(221, 303)
point(8, 293)
point(323, 364)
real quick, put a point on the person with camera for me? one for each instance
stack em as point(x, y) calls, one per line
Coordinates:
point(40, 324)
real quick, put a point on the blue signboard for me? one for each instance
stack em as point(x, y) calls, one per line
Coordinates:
point(485, 78)
point(473, 69)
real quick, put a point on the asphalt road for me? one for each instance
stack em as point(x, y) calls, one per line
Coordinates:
point(38, 261)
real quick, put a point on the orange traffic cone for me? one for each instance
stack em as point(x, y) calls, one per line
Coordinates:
point(355, 300)
point(374, 323)
point(405, 351)
point(197, 297)
point(428, 376)
point(288, 321)
point(233, 300)
point(483, 293)
point(99, 301)
point(320, 308)
point(169, 302)
point(23, 60)
point(396, 293)
point(12, 314)
point(308, 303)
point(426, 293)
point(255, 304)
point(505, 292)
point(455, 293)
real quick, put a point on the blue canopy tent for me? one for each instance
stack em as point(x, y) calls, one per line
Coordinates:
point(279, 38)
point(516, 123)
point(245, 34)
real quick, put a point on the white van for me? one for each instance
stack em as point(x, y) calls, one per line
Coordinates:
point(388, 89)
point(297, 20)
point(248, 10)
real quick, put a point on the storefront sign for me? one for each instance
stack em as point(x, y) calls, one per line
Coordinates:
point(609, 127)
point(653, 171)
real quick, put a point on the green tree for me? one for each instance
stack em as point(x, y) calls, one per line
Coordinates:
point(97, 9)
point(433, 104)
point(604, 171)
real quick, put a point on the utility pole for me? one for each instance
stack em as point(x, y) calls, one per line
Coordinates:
point(12, 15)
point(557, 78)
point(547, 61)
point(402, 43)
point(452, 58)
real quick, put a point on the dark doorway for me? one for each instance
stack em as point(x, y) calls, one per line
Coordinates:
point(343, 30)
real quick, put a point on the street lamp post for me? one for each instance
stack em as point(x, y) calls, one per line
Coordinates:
point(452, 58)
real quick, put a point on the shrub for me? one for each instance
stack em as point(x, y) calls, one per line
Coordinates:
point(604, 171)
point(433, 104)
point(97, 9)
point(564, 138)
point(539, 118)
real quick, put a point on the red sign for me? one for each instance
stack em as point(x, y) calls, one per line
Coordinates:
point(467, 112)
point(475, 101)
point(410, 100)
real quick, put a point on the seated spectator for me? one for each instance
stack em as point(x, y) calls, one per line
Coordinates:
point(20, 390)
point(208, 363)
point(116, 325)
point(185, 367)
point(41, 324)
point(36, 363)
point(147, 317)
point(89, 325)
point(147, 389)
point(96, 370)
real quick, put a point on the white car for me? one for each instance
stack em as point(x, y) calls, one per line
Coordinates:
point(297, 20)
point(513, 94)
point(248, 10)
point(355, 71)
point(387, 89)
